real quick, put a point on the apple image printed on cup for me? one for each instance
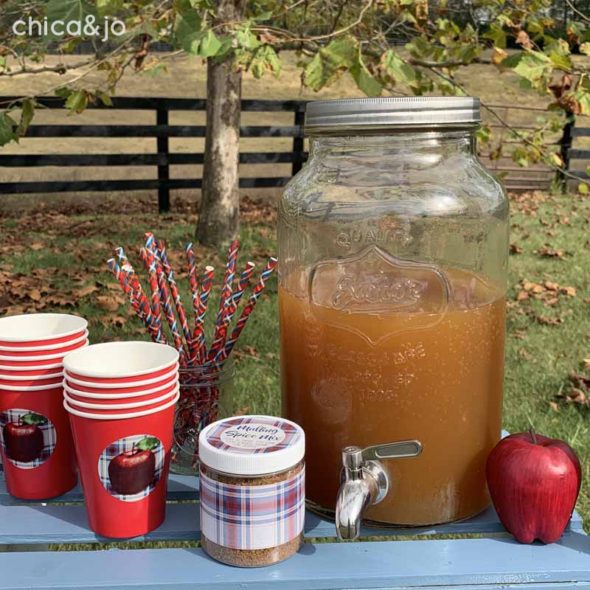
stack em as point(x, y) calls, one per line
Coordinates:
point(28, 438)
point(130, 468)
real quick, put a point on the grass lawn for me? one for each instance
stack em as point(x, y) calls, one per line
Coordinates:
point(50, 261)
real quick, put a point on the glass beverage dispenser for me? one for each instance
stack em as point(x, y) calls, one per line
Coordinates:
point(393, 247)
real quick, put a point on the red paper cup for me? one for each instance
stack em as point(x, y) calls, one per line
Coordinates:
point(38, 371)
point(7, 380)
point(117, 408)
point(43, 356)
point(121, 362)
point(119, 398)
point(40, 329)
point(118, 389)
point(125, 494)
point(36, 443)
point(42, 350)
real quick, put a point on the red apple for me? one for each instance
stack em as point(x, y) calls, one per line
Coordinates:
point(24, 439)
point(132, 471)
point(534, 483)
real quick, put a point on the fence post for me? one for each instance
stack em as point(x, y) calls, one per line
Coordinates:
point(298, 143)
point(163, 145)
point(565, 144)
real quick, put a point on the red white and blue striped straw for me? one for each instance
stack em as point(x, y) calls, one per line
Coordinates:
point(141, 309)
point(264, 276)
point(231, 310)
point(166, 303)
point(161, 250)
point(150, 264)
point(198, 347)
point(226, 295)
point(192, 278)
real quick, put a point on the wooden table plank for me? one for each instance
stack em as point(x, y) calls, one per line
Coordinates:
point(39, 525)
point(406, 564)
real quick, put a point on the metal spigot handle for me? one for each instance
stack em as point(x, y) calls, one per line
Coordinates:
point(394, 450)
point(365, 482)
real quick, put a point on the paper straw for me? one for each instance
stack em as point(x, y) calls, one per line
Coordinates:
point(150, 264)
point(230, 311)
point(226, 294)
point(226, 350)
point(192, 278)
point(174, 291)
point(142, 311)
point(197, 350)
point(166, 302)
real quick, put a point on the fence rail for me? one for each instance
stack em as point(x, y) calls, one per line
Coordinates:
point(515, 177)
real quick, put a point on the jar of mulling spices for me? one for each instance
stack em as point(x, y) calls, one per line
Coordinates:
point(252, 490)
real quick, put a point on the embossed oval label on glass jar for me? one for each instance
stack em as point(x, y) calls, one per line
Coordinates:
point(376, 283)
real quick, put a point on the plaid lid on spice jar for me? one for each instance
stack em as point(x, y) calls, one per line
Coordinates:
point(251, 445)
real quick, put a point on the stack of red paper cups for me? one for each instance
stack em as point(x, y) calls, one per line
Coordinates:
point(37, 449)
point(121, 398)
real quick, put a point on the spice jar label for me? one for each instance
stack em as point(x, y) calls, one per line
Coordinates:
point(252, 517)
point(253, 435)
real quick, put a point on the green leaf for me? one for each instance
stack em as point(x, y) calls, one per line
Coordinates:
point(188, 31)
point(69, 10)
point(7, 128)
point(27, 114)
point(210, 44)
point(32, 418)
point(77, 101)
point(148, 443)
point(104, 98)
point(265, 60)
point(109, 7)
point(533, 66)
point(497, 34)
point(363, 78)
point(330, 61)
point(396, 67)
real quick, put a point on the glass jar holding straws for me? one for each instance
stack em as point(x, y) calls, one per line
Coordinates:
point(206, 371)
point(205, 396)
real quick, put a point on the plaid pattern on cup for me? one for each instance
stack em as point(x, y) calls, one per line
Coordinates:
point(253, 434)
point(14, 415)
point(252, 517)
point(124, 445)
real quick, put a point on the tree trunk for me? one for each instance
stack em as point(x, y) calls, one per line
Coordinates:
point(220, 201)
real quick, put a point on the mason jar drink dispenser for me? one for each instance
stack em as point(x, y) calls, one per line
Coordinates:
point(393, 246)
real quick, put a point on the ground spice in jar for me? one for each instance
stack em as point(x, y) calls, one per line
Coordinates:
point(252, 490)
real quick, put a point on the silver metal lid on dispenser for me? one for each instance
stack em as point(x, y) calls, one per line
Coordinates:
point(373, 114)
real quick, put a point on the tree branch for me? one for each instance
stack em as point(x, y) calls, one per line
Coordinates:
point(575, 10)
point(60, 68)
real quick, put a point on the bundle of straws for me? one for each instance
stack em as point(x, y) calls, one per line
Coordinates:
point(162, 305)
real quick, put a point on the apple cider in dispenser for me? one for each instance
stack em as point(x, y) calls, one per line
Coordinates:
point(393, 251)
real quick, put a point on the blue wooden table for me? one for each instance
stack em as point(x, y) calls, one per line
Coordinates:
point(487, 559)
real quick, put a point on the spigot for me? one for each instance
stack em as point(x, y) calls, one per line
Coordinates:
point(365, 482)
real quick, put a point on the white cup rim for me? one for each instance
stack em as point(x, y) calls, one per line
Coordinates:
point(82, 324)
point(17, 378)
point(140, 350)
point(49, 347)
point(120, 416)
point(115, 396)
point(43, 357)
point(99, 385)
point(13, 369)
point(78, 404)
point(23, 388)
